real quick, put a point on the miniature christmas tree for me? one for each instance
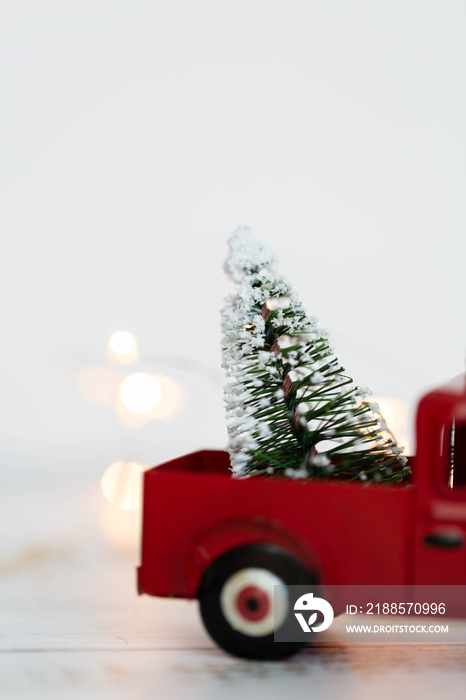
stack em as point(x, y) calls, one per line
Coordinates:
point(291, 409)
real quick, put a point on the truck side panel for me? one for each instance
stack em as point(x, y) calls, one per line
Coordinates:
point(352, 533)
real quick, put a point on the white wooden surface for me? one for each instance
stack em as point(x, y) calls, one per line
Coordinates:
point(72, 626)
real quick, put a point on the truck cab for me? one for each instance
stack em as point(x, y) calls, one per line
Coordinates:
point(440, 479)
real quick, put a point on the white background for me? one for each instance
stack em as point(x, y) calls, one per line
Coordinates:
point(136, 136)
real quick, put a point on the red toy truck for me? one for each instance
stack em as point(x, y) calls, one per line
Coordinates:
point(228, 542)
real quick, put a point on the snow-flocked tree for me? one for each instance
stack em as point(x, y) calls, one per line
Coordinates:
point(291, 409)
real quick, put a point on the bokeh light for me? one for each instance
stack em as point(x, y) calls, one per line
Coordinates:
point(140, 392)
point(99, 385)
point(121, 484)
point(274, 303)
point(121, 528)
point(123, 348)
point(172, 400)
point(395, 412)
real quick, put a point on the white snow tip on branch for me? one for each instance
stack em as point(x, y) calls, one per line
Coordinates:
point(296, 473)
point(275, 303)
point(247, 256)
point(320, 461)
point(317, 378)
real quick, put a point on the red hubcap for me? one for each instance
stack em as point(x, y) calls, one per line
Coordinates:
point(252, 603)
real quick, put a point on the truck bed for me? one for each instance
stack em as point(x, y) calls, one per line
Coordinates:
point(193, 510)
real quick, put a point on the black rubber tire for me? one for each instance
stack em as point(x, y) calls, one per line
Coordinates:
point(266, 556)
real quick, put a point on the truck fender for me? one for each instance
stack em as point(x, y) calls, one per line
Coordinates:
point(238, 533)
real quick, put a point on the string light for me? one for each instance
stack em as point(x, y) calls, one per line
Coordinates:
point(140, 392)
point(121, 528)
point(172, 401)
point(123, 348)
point(119, 515)
point(121, 484)
point(395, 412)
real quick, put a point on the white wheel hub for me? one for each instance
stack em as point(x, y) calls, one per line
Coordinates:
point(251, 604)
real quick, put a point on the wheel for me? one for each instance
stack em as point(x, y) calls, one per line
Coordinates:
point(237, 601)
